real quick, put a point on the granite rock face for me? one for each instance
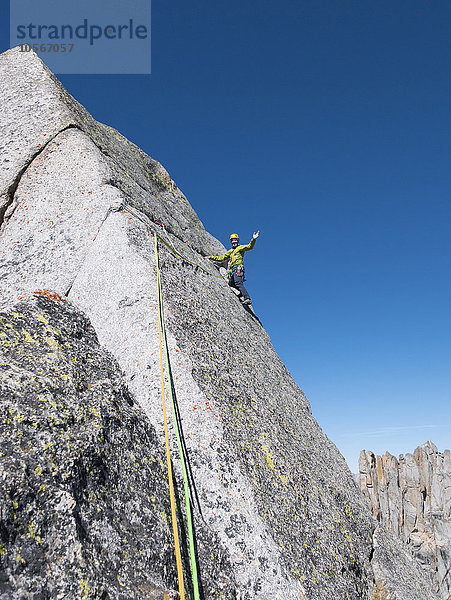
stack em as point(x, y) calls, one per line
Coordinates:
point(83, 489)
point(36, 110)
point(411, 496)
point(278, 514)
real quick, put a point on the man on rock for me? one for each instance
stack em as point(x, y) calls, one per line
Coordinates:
point(235, 265)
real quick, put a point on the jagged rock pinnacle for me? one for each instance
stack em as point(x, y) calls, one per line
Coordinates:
point(411, 496)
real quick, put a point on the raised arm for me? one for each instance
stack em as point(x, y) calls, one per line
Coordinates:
point(251, 244)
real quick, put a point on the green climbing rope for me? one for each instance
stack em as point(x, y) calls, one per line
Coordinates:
point(192, 548)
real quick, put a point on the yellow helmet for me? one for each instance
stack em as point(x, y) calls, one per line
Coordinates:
point(234, 236)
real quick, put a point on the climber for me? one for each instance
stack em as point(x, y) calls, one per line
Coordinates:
point(235, 265)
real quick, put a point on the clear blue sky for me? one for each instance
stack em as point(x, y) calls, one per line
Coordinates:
point(327, 125)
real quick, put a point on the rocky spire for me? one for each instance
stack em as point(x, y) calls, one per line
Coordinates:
point(411, 496)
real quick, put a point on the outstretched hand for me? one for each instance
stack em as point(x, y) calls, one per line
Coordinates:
point(256, 234)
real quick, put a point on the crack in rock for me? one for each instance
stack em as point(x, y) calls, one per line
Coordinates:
point(7, 206)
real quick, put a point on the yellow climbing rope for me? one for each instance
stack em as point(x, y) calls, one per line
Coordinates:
point(178, 555)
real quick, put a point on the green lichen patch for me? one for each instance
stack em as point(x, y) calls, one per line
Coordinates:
point(84, 493)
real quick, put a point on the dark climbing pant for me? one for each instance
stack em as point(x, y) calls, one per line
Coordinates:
point(236, 281)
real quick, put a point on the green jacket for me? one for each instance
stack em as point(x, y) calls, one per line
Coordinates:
point(235, 255)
